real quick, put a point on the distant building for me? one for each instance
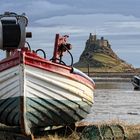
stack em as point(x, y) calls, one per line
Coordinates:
point(99, 42)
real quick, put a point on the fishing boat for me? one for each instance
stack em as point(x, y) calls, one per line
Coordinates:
point(136, 82)
point(36, 92)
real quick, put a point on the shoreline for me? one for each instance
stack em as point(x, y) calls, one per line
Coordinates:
point(111, 79)
point(112, 74)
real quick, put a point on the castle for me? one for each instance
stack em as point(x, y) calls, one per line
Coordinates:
point(97, 42)
point(99, 55)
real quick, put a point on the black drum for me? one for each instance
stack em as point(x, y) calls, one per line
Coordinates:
point(12, 31)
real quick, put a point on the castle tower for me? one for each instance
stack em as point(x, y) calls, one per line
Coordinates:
point(92, 38)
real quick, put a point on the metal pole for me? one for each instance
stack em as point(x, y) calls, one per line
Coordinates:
point(88, 69)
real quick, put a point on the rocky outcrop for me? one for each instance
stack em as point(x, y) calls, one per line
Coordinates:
point(99, 55)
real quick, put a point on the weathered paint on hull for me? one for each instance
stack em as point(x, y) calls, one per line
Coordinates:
point(9, 111)
point(54, 100)
point(31, 97)
point(9, 91)
point(42, 113)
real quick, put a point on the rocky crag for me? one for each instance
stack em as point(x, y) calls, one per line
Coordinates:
point(99, 56)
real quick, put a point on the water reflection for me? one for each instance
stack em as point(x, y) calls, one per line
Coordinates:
point(115, 101)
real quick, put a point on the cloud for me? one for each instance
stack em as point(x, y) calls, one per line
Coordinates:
point(125, 7)
point(77, 18)
point(37, 9)
point(100, 23)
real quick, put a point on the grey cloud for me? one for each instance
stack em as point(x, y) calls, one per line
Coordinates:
point(39, 9)
point(126, 7)
point(78, 18)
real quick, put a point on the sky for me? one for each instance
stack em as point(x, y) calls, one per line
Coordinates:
point(117, 20)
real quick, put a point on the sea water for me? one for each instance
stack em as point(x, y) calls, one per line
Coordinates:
point(115, 101)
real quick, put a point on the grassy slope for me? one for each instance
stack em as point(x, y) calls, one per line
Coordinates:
point(110, 64)
point(106, 59)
